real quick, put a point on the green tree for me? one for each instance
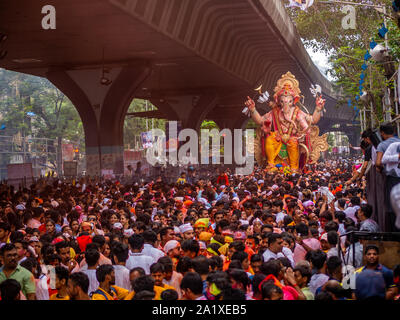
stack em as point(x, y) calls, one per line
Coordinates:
point(331, 139)
point(209, 124)
point(134, 126)
point(321, 29)
point(32, 106)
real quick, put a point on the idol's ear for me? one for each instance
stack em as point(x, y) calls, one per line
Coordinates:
point(296, 100)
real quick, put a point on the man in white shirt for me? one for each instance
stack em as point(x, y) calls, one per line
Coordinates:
point(387, 132)
point(318, 260)
point(121, 253)
point(92, 257)
point(391, 159)
point(276, 249)
point(150, 238)
point(137, 258)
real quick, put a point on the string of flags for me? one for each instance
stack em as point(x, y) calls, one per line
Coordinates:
point(381, 33)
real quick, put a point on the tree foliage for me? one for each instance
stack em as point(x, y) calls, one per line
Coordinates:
point(321, 29)
point(134, 126)
point(32, 106)
point(209, 124)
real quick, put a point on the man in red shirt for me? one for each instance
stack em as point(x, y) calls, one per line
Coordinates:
point(223, 178)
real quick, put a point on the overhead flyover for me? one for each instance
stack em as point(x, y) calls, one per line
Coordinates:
point(193, 59)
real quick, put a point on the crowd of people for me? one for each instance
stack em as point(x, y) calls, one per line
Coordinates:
point(266, 236)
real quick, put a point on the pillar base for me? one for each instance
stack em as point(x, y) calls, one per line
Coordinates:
point(112, 158)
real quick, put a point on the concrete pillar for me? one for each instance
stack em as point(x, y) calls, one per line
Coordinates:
point(102, 109)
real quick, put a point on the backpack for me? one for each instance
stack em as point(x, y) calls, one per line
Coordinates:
point(98, 291)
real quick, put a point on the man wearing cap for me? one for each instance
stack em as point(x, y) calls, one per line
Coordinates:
point(172, 249)
point(241, 236)
point(36, 245)
point(186, 231)
point(200, 226)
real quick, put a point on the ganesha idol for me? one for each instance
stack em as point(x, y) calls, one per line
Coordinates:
point(287, 134)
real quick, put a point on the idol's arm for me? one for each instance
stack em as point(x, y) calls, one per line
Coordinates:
point(318, 110)
point(254, 113)
point(256, 116)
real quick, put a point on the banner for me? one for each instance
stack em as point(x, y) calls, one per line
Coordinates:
point(147, 139)
point(67, 152)
point(108, 173)
point(172, 129)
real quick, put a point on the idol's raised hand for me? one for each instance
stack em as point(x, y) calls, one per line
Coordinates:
point(250, 103)
point(320, 103)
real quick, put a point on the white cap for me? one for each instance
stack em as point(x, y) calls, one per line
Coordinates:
point(33, 239)
point(54, 203)
point(128, 232)
point(170, 245)
point(185, 227)
point(117, 225)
